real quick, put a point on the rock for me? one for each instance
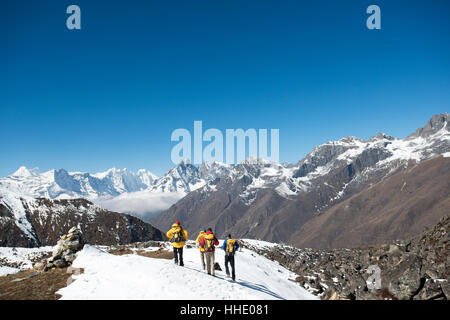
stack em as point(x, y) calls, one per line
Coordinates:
point(404, 279)
point(39, 265)
point(74, 245)
point(394, 249)
point(69, 258)
point(73, 229)
point(333, 295)
point(72, 237)
point(431, 290)
point(445, 286)
point(59, 263)
point(432, 274)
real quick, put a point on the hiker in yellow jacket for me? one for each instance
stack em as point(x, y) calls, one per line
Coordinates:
point(177, 236)
point(202, 250)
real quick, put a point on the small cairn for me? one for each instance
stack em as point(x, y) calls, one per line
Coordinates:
point(65, 253)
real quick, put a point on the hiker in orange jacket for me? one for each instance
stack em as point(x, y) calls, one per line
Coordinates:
point(177, 236)
point(202, 250)
point(208, 242)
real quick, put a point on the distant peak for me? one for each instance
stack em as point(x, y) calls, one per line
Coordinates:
point(183, 163)
point(25, 172)
point(381, 136)
point(436, 123)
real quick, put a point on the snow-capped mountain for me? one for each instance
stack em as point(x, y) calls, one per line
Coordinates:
point(183, 177)
point(257, 198)
point(60, 184)
point(139, 193)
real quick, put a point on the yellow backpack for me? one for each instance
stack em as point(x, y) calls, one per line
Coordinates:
point(209, 243)
point(230, 247)
point(178, 236)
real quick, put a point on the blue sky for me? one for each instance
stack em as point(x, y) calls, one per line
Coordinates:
point(110, 94)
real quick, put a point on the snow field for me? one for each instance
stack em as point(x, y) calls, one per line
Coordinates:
point(107, 276)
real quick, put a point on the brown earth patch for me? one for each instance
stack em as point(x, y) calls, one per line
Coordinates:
point(32, 285)
point(158, 254)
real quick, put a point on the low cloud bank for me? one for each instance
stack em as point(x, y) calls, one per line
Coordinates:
point(142, 204)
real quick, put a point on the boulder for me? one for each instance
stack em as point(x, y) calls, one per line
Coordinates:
point(404, 279)
point(69, 258)
point(431, 290)
point(39, 266)
point(60, 263)
point(73, 230)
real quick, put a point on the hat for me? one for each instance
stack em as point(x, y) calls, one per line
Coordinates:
point(204, 230)
point(177, 222)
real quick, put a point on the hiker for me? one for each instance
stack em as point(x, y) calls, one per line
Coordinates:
point(201, 249)
point(230, 246)
point(208, 242)
point(177, 236)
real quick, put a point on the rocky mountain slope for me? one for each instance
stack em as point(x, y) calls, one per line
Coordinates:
point(263, 200)
point(397, 207)
point(416, 269)
point(29, 222)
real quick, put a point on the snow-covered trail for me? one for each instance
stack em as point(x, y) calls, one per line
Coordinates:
point(108, 276)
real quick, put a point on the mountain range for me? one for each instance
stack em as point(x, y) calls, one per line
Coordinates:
point(349, 192)
point(345, 193)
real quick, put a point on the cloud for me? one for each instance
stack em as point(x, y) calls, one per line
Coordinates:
point(142, 204)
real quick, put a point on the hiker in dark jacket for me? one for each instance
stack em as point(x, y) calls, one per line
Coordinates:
point(230, 246)
point(208, 243)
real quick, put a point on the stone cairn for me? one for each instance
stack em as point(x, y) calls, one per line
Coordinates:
point(65, 253)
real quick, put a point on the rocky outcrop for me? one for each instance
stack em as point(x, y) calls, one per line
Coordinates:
point(417, 269)
point(65, 252)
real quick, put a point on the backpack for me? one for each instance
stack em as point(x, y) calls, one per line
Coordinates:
point(230, 247)
point(209, 243)
point(177, 236)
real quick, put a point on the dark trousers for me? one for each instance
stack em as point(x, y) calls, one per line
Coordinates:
point(178, 255)
point(230, 259)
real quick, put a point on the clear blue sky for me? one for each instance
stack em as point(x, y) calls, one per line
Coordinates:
point(110, 94)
